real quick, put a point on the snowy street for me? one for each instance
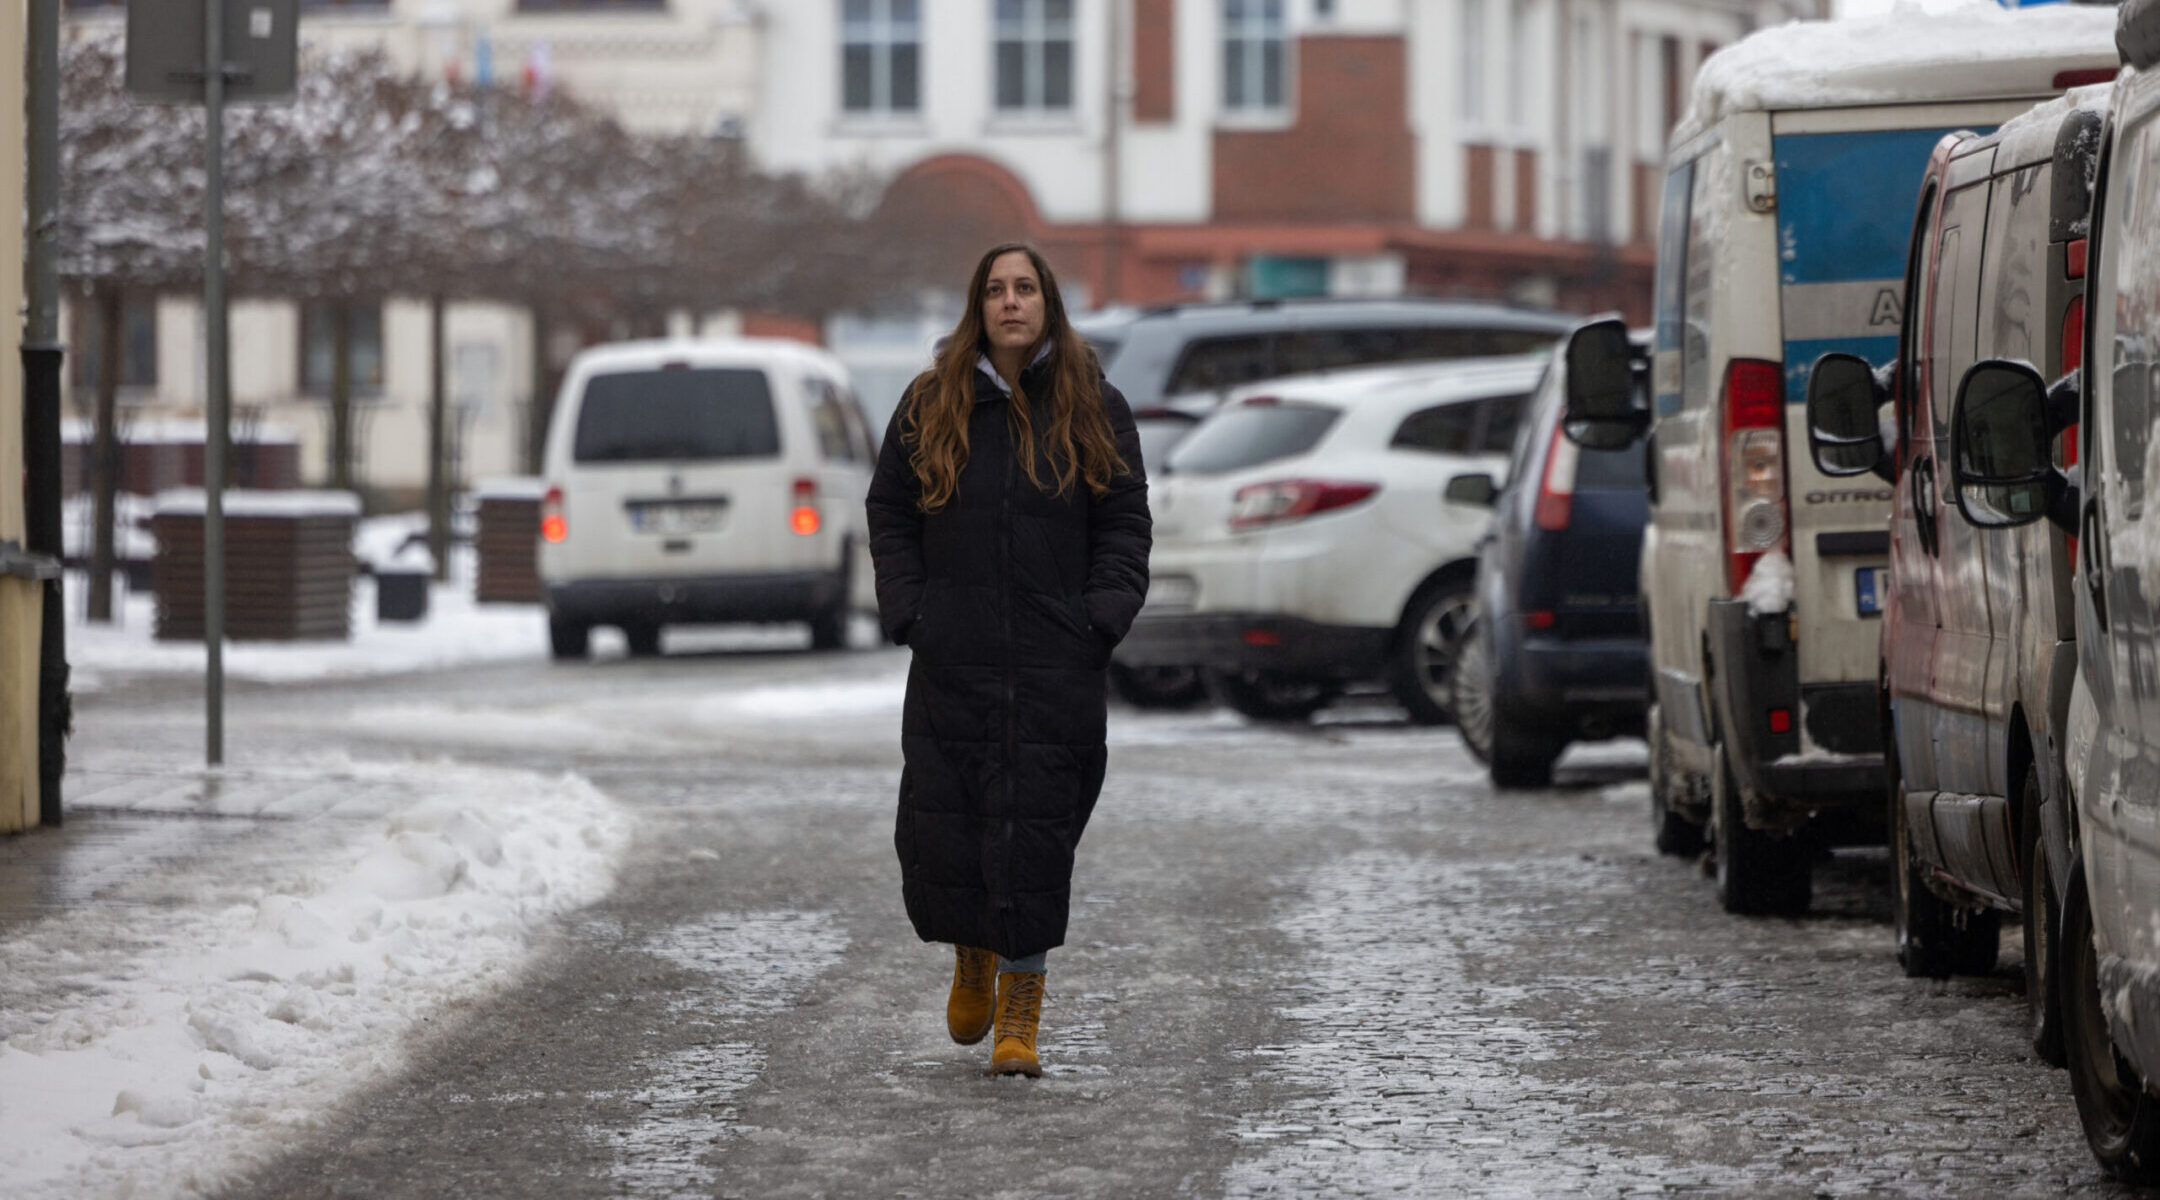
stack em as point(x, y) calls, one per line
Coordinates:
point(632, 928)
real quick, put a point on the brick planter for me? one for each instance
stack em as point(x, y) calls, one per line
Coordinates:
point(508, 541)
point(288, 565)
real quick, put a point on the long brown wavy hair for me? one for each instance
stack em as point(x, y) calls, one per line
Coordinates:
point(1076, 440)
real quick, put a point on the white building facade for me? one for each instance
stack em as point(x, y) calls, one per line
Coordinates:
point(1158, 150)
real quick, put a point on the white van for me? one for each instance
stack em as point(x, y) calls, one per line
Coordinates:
point(704, 481)
point(1788, 206)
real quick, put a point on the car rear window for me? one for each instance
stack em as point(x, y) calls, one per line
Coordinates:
point(677, 415)
point(1158, 437)
point(1251, 434)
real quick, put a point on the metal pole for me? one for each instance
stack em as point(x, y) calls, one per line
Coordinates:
point(214, 356)
point(41, 355)
point(1112, 155)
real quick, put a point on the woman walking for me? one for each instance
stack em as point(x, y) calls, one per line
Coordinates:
point(1009, 524)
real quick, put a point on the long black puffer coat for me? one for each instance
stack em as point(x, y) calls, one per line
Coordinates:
point(1011, 599)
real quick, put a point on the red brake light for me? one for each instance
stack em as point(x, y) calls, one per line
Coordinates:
point(1556, 488)
point(2074, 259)
point(1540, 618)
point(1753, 465)
point(2073, 335)
point(2065, 80)
point(803, 518)
point(1293, 499)
point(1781, 720)
point(554, 527)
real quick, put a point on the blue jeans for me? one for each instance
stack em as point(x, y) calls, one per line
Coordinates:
point(1033, 962)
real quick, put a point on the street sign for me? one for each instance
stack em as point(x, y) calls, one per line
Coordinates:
point(165, 50)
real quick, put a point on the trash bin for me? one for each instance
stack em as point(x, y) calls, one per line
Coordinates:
point(401, 594)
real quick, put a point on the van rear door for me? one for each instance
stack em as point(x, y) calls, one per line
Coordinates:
point(677, 470)
point(1846, 182)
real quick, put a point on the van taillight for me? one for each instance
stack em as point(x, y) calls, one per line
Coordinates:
point(2073, 335)
point(1753, 465)
point(554, 527)
point(2074, 259)
point(803, 518)
point(1556, 489)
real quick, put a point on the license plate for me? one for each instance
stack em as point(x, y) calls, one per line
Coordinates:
point(1171, 591)
point(1868, 589)
point(683, 517)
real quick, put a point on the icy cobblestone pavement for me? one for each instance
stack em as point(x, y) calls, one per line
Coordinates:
point(1320, 960)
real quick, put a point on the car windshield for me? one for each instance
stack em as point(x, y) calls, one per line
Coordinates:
point(677, 415)
point(1251, 434)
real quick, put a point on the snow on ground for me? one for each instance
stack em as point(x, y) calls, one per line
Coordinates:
point(165, 1041)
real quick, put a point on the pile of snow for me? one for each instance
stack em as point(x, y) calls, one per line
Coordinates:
point(169, 1071)
point(1769, 585)
point(1907, 56)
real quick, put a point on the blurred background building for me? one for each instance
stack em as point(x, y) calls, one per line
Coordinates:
point(1158, 150)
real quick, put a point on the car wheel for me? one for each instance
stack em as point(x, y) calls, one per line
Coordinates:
point(1758, 873)
point(1472, 701)
point(1521, 759)
point(1430, 644)
point(828, 629)
point(644, 638)
point(1267, 696)
point(1934, 939)
point(1158, 687)
point(2043, 1003)
point(1673, 833)
point(568, 639)
point(2121, 1118)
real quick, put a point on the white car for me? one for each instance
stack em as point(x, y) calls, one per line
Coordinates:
point(1303, 540)
point(704, 481)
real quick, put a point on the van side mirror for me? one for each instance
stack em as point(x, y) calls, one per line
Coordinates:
point(1604, 409)
point(1475, 490)
point(2002, 436)
point(1844, 416)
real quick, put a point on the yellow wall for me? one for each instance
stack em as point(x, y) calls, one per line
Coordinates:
point(21, 600)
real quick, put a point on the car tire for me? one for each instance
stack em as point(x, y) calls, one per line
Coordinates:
point(2121, 1118)
point(2043, 916)
point(1472, 701)
point(1161, 688)
point(1758, 873)
point(1672, 832)
point(1267, 696)
point(828, 629)
point(1935, 939)
point(644, 638)
point(1428, 646)
point(1520, 759)
point(568, 639)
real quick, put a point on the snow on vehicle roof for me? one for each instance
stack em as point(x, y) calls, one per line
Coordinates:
point(1907, 57)
point(742, 351)
point(2093, 97)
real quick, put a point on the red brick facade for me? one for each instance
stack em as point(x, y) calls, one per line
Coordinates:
point(1349, 154)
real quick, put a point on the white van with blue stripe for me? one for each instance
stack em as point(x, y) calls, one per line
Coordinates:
point(1788, 209)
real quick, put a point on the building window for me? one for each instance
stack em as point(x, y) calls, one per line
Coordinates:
point(1034, 55)
point(1252, 55)
point(138, 344)
point(1473, 60)
point(318, 347)
point(881, 56)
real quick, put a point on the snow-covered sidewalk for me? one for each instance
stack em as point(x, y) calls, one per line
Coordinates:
point(170, 1033)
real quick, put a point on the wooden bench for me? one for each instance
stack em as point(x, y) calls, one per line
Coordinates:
point(288, 565)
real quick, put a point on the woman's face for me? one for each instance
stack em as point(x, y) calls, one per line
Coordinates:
point(1012, 312)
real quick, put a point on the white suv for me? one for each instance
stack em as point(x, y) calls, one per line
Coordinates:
point(1303, 541)
point(704, 481)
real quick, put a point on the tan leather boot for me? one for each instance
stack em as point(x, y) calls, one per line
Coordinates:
point(1019, 1011)
point(973, 1003)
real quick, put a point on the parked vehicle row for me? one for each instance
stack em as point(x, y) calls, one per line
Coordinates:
point(2016, 661)
point(1284, 591)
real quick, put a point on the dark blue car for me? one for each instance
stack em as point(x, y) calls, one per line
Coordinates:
point(1557, 651)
